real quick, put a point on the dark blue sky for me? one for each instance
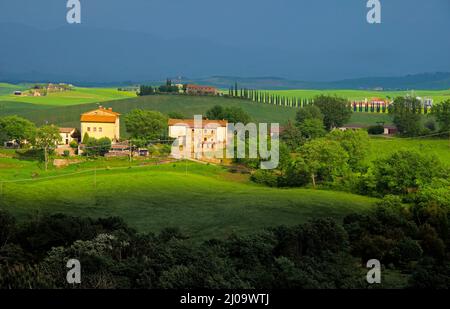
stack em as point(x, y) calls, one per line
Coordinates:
point(298, 39)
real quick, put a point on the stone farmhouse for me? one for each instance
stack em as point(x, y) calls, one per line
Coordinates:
point(99, 123)
point(195, 140)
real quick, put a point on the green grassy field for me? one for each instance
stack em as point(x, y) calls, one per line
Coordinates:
point(438, 96)
point(206, 201)
point(73, 97)
point(8, 89)
point(381, 147)
point(69, 115)
point(203, 200)
point(64, 108)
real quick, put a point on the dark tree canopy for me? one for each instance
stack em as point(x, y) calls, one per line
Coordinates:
point(308, 112)
point(97, 147)
point(442, 114)
point(406, 171)
point(312, 128)
point(356, 143)
point(336, 111)
point(16, 128)
point(292, 136)
point(146, 90)
point(407, 115)
point(176, 115)
point(144, 124)
point(233, 114)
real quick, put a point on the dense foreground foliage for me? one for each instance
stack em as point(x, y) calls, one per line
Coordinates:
point(412, 242)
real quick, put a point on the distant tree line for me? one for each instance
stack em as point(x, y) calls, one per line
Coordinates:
point(168, 87)
point(261, 96)
point(407, 114)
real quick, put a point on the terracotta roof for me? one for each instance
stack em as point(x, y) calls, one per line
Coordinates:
point(109, 111)
point(190, 122)
point(98, 118)
point(66, 130)
point(200, 87)
point(101, 115)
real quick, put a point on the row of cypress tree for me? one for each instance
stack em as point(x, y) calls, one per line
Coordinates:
point(267, 97)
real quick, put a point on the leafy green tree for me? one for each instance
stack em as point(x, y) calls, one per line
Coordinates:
point(144, 124)
point(292, 136)
point(217, 112)
point(356, 143)
point(406, 112)
point(430, 125)
point(146, 90)
point(233, 114)
point(323, 235)
point(312, 128)
point(431, 243)
point(237, 114)
point(16, 128)
point(176, 115)
point(104, 145)
point(406, 250)
point(47, 137)
point(85, 138)
point(430, 274)
point(442, 113)
point(406, 171)
point(308, 112)
point(336, 111)
point(323, 160)
point(97, 147)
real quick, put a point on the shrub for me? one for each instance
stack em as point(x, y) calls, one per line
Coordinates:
point(430, 125)
point(265, 177)
point(74, 144)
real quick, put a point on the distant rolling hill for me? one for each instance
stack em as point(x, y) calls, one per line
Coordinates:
point(425, 81)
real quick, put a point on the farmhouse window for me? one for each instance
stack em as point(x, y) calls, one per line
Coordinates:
point(95, 129)
point(100, 129)
point(89, 129)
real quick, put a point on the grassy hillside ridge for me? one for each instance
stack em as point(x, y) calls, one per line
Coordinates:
point(382, 147)
point(435, 81)
point(204, 203)
point(73, 97)
point(69, 116)
point(8, 89)
point(80, 95)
